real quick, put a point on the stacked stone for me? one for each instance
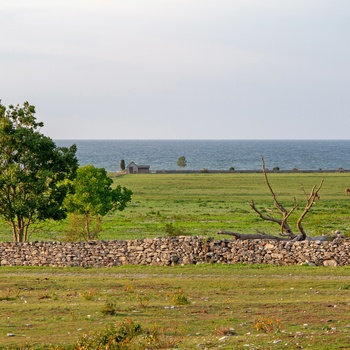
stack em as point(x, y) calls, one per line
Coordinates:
point(180, 250)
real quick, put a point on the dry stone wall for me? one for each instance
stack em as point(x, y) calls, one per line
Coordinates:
point(174, 251)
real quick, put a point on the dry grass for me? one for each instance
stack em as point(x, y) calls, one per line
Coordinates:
point(227, 307)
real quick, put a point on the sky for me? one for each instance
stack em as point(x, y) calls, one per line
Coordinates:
point(179, 69)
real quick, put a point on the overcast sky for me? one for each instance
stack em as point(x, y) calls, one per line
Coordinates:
point(179, 69)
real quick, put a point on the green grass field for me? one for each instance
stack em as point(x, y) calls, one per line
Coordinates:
point(202, 204)
point(189, 307)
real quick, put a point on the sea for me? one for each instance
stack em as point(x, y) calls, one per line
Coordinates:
point(214, 154)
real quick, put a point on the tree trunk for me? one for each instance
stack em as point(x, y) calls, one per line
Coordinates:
point(19, 228)
point(243, 236)
point(87, 226)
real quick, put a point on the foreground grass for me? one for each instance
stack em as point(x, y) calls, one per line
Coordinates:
point(202, 204)
point(228, 307)
point(189, 307)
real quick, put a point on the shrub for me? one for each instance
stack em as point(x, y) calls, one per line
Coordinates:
point(76, 232)
point(9, 295)
point(179, 298)
point(143, 300)
point(90, 294)
point(267, 324)
point(110, 308)
point(172, 231)
point(155, 338)
point(112, 338)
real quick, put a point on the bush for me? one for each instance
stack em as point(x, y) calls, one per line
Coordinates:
point(179, 298)
point(127, 336)
point(110, 308)
point(76, 232)
point(112, 338)
point(267, 324)
point(156, 338)
point(172, 231)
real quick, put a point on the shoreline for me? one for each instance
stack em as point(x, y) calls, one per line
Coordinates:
point(207, 171)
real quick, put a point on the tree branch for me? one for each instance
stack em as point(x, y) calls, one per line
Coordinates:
point(243, 236)
point(311, 200)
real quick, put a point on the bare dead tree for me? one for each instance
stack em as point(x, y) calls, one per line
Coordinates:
point(286, 233)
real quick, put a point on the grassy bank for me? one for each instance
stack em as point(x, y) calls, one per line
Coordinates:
point(202, 204)
point(190, 307)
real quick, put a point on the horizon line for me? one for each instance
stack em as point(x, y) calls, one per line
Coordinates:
point(182, 139)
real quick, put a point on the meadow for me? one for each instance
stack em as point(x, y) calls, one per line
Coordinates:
point(179, 307)
point(202, 204)
point(204, 306)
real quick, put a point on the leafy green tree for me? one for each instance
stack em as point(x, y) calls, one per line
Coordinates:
point(94, 197)
point(182, 162)
point(32, 171)
point(122, 164)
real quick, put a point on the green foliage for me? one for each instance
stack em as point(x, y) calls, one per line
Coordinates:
point(115, 337)
point(143, 300)
point(122, 164)
point(202, 204)
point(172, 231)
point(179, 298)
point(182, 162)
point(51, 307)
point(94, 197)
point(32, 171)
point(90, 294)
point(76, 230)
point(110, 308)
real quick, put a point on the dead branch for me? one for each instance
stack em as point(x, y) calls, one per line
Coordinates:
point(285, 228)
point(310, 201)
point(286, 233)
point(243, 236)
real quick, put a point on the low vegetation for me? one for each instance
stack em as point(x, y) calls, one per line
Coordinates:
point(180, 307)
point(202, 204)
point(189, 307)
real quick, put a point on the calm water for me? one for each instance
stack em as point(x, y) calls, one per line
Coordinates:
point(214, 154)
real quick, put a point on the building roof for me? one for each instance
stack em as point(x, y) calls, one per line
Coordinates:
point(139, 166)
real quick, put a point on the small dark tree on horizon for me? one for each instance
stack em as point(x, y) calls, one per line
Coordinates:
point(122, 164)
point(182, 162)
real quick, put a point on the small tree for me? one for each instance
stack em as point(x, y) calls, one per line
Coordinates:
point(182, 162)
point(94, 197)
point(122, 164)
point(32, 170)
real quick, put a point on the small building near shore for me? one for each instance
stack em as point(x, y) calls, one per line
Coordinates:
point(133, 168)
